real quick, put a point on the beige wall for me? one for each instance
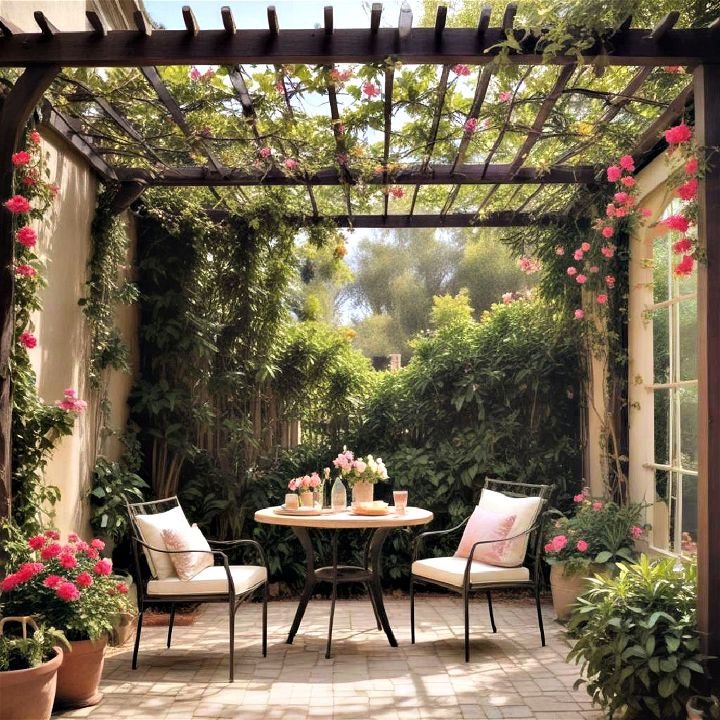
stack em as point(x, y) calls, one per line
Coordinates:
point(67, 14)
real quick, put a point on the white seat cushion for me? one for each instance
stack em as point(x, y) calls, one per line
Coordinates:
point(150, 528)
point(210, 581)
point(451, 570)
point(525, 510)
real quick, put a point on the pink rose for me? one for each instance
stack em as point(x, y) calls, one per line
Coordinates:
point(645, 212)
point(597, 505)
point(682, 246)
point(627, 163)
point(549, 548)
point(585, 247)
point(688, 190)
point(607, 250)
point(36, 542)
point(470, 125)
point(581, 279)
point(102, 567)
point(579, 498)
point(505, 96)
point(579, 314)
point(97, 544)
point(582, 546)
point(507, 298)
point(602, 298)
point(620, 198)
point(627, 181)
point(122, 587)
point(52, 581)
point(613, 173)
point(636, 532)
point(578, 254)
point(610, 210)
point(594, 269)
point(610, 280)
point(68, 561)
point(462, 70)
point(265, 152)
point(25, 270)
point(572, 271)
point(50, 551)
point(691, 166)
point(607, 231)
point(360, 467)
point(685, 266)
point(34, 137)
point(291, 164)
point(676, 222)
point(559, 542)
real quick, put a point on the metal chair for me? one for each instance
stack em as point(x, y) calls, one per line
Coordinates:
point(475, 578)
point(238, 584)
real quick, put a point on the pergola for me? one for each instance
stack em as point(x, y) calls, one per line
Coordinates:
point(120, 154)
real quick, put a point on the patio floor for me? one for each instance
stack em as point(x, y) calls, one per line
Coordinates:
point(509, 676)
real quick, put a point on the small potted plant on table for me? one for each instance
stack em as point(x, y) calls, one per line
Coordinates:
point(361, 474)
point(596, 536)
point(70, 587)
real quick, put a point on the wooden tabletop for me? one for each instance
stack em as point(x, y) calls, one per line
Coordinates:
point(346, 520)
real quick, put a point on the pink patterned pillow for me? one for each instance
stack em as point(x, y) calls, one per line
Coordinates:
point(485, 525)
point(188, 564)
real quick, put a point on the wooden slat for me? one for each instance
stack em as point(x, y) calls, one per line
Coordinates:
point(434, 175)
point(328, 19)
point(509, 16)
point(480, 92)
point(238, 83)
point(9, 28)
point(440, 19)
point(528, 199)
point(667, 23)
point(46, 27)
point(126, 195)
point(387, 126)
point(375, 15)
point(273, 22)
point(688, 46)
point(191, 23)
point(484, 21)
point(653, 134)
point(228, 20)
point(142, 24)
point(96, 23)
point(405, 21)
point(488, 197)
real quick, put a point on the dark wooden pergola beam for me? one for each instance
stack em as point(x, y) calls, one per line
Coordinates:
point(144, 46)
point(344, 177)
point(673, 111)
point(387, 128)
point(436, 175)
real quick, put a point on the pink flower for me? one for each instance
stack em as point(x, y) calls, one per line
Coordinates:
point(685, 266)
point(97, 544)
point(26, 236)
point(581, 279)
point(597, 505)
point(470, 125)
point(54, 189)
point(34, 137)
point(578, 254)
point(610, 281)
point(628, 181)
point(620, 198)
point(29, 570)
point(594, 269)
point(678, 134)
point(621, 212)
point(462, 70)
point(691, 166)
point(579, 314)
point(18, 204)
point(585, 246)
point(682, 246)
point(73, 537)
point(68, 561)
point(505, 96)
point(528, 265)
point(195, 74)
point(627, 163)
point(70, 394)
point(507, 298)
point(67, 591)
point(29, 180)
point(549, 547)
point(602, 298)
point(559, 250)
point(610, 210)
point(102, 567)
point(486, 123)
point(291, 164)
point(645, 212)
point(28, 340)
point(122, 587)
point(613, 173)
point(280, 86)
point(636, 532)
point(208, 74)
point(607, 231)
point(396, 192)
point(676, 222)
point(579, 498)
point(360, 466)
point(265, 152)
point(36, 542)
point(10, 582)
point(673, 69)
point(25, 270)
point(607, 250)
point(572, 271)
point(52, 534)
point(688, 190)
point(370, 90)
point(582, 546)
point(52, 581)
point(559, 542)
point(20, 158)
point(50, 551)
point(84, 579)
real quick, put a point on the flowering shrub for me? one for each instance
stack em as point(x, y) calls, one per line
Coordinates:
point(358, 470)
point(69, 586)
point(599, 531)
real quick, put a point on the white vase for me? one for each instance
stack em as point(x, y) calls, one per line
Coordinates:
point(362, 492)
point(306, 499)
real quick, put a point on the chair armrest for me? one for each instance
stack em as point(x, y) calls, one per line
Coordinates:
point(491, 542)
point(420, 539)
point(244, 541)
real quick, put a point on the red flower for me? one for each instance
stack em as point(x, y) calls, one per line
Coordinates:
point(28, 570)
point(122, 587)
point(682, 246)
point(627, 181)
point(645, 212)
point(52, 581)
point(607, 231)
point(610, 280)
point(460, 69)
point(678, 134)
point(26, 270)
point(607, 250)
point(52, 534)
point(676, 222)
point(50, 551)
point(687, 190)
point(28, 340)
point(73, 537)
point(10, 582)
point(613, 173)
point(84, 579)
point(627, 163)
point(102, 567)
point(582, 546)
point(602, 298)
point(34, 137)
point(67, 591)
point(18, 204)
point(36, 542)
point(68, 561)
point(370, 90)
point(26, 236)
point(97, 544)
point(685, 266)
point(620, 198)
point(92, 553)
point(597, 505)
point(691, 166)
point(29, 180)
point(470, 125)
point(20, 158)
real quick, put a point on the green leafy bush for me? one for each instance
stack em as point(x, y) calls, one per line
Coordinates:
point(21, 653)
point(636, 637)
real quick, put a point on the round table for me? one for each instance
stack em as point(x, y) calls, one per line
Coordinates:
point(368, 573)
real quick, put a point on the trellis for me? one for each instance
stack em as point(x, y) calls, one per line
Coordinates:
point(43, 54)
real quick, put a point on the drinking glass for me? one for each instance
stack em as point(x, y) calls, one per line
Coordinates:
point(400, 498)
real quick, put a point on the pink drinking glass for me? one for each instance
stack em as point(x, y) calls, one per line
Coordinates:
point(400, 498)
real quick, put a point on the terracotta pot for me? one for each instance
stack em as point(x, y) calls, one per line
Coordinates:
point(363, 492)
point(124, 629)
point(566, 588)
point(29, 694)
point(79, 675)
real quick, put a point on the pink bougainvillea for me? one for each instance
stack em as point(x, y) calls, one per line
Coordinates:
point(26, 236)
point(370, 90)
point(18, 204)
point(28, 340)
point(679, 134)
point(470, 125)
point(460, 69)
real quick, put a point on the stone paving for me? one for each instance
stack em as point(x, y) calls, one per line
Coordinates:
point(509, 675)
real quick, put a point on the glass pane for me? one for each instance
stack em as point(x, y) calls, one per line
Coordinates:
point(661, 345)
point(661, 275)
point(686, 284)
point(689, 520)
point(662, 425)
point(661, 510)
point(688, 399)
point(688, 339)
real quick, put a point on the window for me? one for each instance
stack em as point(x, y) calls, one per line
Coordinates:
point(674, 389)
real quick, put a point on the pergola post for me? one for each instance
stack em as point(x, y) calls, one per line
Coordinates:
point(16, 109)
point(707, 121)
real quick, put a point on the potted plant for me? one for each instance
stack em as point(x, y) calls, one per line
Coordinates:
point(306, 487)
point(597, 535)
point(29, 664)
point(361, 474)
point(68, 586)
point(637, 639)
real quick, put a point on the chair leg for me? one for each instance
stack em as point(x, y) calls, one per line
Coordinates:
point(368, 589)
point(264, 620)
point(539, 615)
point(137, 639)
point(231, 608)
point(466, 599)
point(490, 608)
point(172, 622)
point(412, 610)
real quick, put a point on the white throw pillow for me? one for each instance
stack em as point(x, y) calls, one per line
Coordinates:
point(525, 511)
point(188, 564)
point(151, 527)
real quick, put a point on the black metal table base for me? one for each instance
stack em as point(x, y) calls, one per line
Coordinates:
point(368, 574)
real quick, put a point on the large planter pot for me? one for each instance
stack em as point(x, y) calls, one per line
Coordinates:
point(566, 588)
point(79, 675)
point(124, 629)
point(702, 708)
point(362, 492)
point(29, 694)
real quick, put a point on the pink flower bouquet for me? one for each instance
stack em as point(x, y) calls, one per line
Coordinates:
point(307, 483)
point(359, 469)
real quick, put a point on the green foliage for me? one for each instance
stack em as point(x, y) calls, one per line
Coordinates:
point(18, 653)
point(450, 309)
point(636, 637)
